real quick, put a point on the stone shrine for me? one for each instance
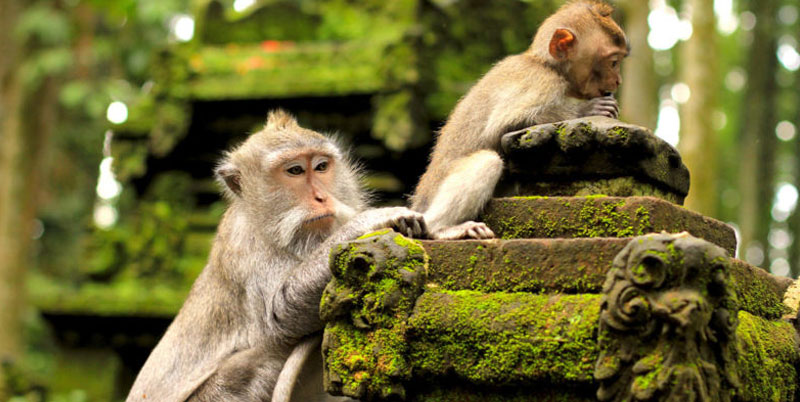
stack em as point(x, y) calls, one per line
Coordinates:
point(600, 286)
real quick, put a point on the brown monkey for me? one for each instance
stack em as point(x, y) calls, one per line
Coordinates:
point(292, 196)
point(569, 71)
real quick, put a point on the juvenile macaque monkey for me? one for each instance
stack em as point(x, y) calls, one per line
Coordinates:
point(292, 195)
point(569, 71)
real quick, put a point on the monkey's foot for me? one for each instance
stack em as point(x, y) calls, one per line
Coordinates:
point(411, 225)
point(466, 230)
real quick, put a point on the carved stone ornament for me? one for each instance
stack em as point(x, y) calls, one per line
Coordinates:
point(376, 280)
point(667, 323)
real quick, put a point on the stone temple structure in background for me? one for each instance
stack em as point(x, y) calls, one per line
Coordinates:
point(600, 286)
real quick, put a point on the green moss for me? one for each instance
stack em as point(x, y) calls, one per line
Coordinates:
point(768, 359)
point(374, 234)
point(505, 338)
point(561, 130)
point(367, 363)
point(757, 293)
point(619, 132)
point(595, 218)
point(413, 246)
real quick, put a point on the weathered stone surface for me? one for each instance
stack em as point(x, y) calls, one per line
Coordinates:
point(376, 281)
point(617, 187)
point(668, 322)
point(768, 359)
point(504, 338)
point(594, 148)
point(452, 391)
point(569, 266)
point(489, 325)
point(599, 216)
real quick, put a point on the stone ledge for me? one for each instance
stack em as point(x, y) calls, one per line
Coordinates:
point(599, 216)
point(569, 266)
point(503, 342)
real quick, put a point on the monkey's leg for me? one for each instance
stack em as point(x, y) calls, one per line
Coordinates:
point(462, 195)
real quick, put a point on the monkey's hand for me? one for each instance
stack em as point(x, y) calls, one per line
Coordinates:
point(601, 106)
point(466, 230)
point(401, 219)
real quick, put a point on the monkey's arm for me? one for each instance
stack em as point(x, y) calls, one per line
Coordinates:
point(295, 304)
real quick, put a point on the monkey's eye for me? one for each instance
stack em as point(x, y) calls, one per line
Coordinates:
point(295, 170)
point(614, 63)
point(322, 166)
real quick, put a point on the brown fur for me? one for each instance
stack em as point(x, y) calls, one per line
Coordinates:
point(533, 87)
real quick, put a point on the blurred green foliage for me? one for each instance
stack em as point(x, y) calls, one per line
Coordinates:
point(412, 59)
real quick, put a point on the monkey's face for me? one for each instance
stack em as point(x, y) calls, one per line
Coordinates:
point(596, 68)
point(308, 178)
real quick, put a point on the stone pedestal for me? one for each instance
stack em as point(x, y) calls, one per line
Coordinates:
point(591, 292)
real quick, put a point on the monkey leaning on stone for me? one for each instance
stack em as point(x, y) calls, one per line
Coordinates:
point(569, 71)
point(292, 195)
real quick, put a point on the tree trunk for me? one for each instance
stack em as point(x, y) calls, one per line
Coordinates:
point(27, 119)
point(698, 143)
point(639, 97)
point(757, 139)
point(12, 297)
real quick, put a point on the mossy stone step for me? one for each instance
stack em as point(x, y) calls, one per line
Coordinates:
point(413, 320)
point(507, 342)
point(599, 216)
point(569, 266)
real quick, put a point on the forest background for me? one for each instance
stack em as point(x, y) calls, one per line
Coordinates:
point(112, 115)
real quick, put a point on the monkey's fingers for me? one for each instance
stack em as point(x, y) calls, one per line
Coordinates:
point(610, 103)
point(607, 111)
point(401, 226)
point(481, 232)
point(420, 228)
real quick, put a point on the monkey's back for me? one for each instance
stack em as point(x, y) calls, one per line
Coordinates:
point(508, 97)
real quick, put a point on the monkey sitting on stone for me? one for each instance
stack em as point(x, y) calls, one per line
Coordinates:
point(292, 196)
point(569, 71)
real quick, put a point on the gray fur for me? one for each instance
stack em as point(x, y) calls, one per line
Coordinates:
point(259, 293)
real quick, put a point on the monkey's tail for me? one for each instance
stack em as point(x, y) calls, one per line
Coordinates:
point(291, 369)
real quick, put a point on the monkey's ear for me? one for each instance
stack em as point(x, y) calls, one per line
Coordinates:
point(229, 175)
point(562, 41)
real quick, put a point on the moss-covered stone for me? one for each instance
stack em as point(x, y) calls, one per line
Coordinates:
point(768, 359)
point(569, 266)
point(667, 322)
point(451, 391)
point(618, 187)
point(504, 338)
point(594, 148)
point(758, 291)
point(497, 346)
point(377, 280)
point(599, 216)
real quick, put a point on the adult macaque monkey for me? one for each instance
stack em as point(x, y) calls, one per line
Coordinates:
point(293, 195)
point(569, 71)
